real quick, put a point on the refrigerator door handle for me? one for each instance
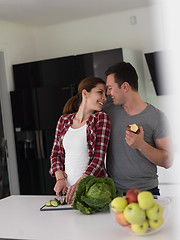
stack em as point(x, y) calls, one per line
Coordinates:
point(38, 144)
point(41, 143)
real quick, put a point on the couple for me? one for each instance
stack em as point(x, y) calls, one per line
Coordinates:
point(84, 134)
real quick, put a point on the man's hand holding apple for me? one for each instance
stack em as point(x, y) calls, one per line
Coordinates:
point(135, 141)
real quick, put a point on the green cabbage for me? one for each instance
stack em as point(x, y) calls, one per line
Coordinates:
point(94, 194)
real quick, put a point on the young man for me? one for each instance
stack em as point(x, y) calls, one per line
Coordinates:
point(132, 159)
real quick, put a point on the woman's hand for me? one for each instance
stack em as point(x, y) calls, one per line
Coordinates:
point(60, 186)
point(71, 190)
point(70, 193)
point(60, 182)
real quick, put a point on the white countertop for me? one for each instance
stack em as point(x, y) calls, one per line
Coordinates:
point(21, 218)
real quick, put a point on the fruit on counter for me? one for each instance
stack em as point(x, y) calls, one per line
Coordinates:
point(139, 216)
point(140, 228)
point(120, 218)
point(155, 212)
point(133, 128)
point(154, 224)
point(134, 214)
point(145, 200)
point(118, 204)
point(132, 194)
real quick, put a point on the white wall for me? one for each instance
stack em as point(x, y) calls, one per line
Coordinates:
point(28, 43)
point(19, 44)
point(99, 33)
point(19, 40)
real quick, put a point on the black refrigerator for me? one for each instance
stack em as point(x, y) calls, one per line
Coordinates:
point(35, 115)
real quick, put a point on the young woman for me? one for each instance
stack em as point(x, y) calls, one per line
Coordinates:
point(81, 138)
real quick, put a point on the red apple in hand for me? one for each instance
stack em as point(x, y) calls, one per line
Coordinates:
point(133, 128)
point(120, 218)
point(132, 194)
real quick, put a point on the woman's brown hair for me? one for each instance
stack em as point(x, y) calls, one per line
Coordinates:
point(72, 105)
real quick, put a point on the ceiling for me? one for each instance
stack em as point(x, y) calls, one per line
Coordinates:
point(47, 12)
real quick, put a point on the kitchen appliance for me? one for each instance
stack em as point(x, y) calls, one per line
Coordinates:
point(154, 61)
point(35, 115)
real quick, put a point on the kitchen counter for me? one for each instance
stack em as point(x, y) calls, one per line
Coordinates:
point(21, 218)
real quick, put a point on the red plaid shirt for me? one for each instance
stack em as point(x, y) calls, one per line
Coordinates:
point(98, 133)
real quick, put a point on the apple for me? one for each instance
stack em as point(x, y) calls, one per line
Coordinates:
point(118, 204)
point(155, 212)
point(132, 194)
point(133, 128)
point(154, 224)
point(145, 200)
point(120, 218)
point(134, 214)
point(140, 228)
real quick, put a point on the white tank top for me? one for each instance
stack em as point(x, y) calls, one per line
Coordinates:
point(76, 153)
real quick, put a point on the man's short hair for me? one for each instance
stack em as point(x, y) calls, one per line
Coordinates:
point(124, 72)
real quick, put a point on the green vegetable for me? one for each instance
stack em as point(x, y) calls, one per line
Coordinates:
point(94, 194)
point(63, 201)
point(55, 202)
point(119, 193)
point(48, 204)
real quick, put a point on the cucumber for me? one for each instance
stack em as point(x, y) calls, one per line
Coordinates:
point(54, 203)
point(48, 204)
point(63, 201)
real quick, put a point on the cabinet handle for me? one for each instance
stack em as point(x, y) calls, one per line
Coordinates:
point(41, 144)
point(38, 144)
